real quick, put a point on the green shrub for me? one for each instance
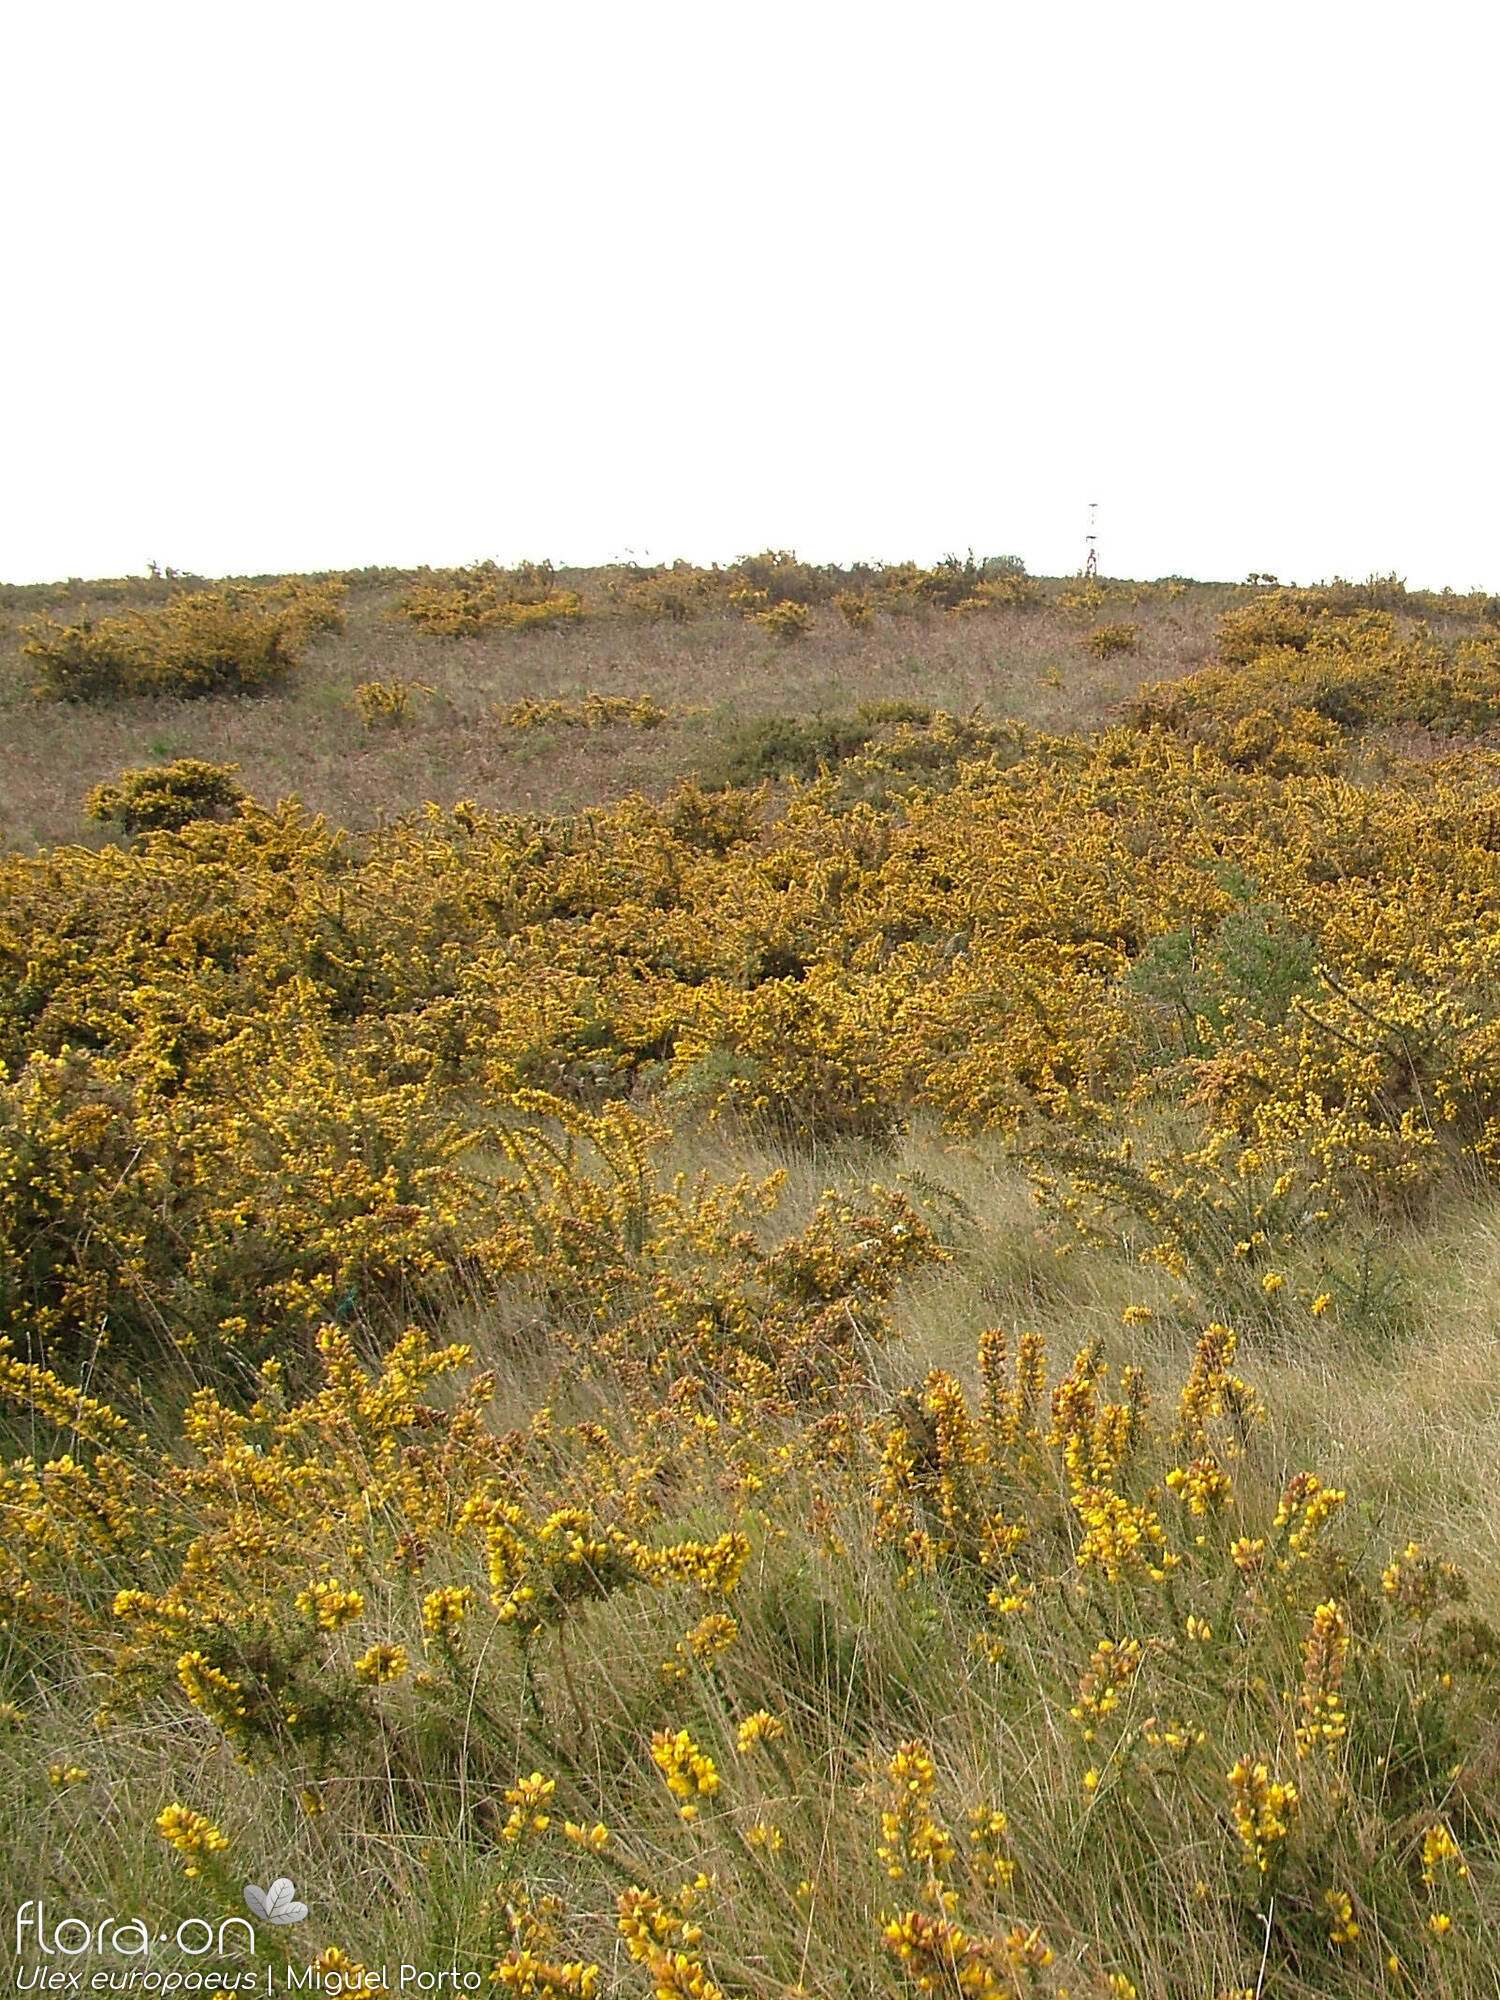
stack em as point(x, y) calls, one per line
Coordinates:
point(790, 746)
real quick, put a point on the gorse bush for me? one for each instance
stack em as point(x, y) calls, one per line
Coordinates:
point(775, 589)
point(790, 746)
point(999, 1628)
point(594, 711)
point(1037, 942)
point(1107, 640)
point(856, 611)
point(386, 704)
point(464, 603)
point(786, 620)
point(572, 1547)
point(1299, 676)
point(227, 641)
point(166, 797)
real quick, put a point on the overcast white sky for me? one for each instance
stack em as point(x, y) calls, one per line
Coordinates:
point(326, 284)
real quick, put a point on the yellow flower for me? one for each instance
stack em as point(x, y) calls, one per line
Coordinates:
point(527, 1799)
point(353, 1977)
point(1264, 1811)
point(191, 1834)
point(761, 1727)
point(443, 1613)
point(914, 1842)
point(1342, 1927)
point(381, 1663)
point(689, 1771)
point(1439, 1850)
point(1324, 1656)
point(331, 1604)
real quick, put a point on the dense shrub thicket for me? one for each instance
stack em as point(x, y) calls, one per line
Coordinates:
point(695, 1652)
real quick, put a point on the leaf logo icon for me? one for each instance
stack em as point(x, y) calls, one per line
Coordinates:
point(278, 1904)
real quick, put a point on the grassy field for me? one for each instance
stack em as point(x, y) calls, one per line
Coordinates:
point(800, 1353)
point(311, 744)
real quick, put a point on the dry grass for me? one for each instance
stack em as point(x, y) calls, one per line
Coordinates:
point(309, 741)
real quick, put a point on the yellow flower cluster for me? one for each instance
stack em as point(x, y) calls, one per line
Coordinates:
point(194, 1836)
point(658, 1937)
point(761, 1727)
point(690, 1773)
point(1324, 1721)
point(938, 1956)
point(1111, 1668)
point(383, 1662)
point(532, 1977)
point(443, 1613)
point(1342, 1926)
point(914, 1843)
point(528, 1799)
point(1265, 1811)
point(1418, 1585)
point(331, 1603)
point(386, 704)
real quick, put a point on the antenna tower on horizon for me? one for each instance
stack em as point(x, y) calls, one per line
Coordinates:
point(1091, 561)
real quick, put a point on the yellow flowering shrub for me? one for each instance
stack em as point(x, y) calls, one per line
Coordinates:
point(464, 603)
point(1104, 641)
point(786, 620)
point(386, 704)
point(163, 798)
point(557, 1536)
point(594, 711)
point(231, 640)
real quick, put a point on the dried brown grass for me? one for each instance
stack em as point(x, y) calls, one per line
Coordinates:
point(308, 740)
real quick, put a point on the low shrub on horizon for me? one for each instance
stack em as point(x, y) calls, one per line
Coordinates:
point(465, 603)
point(206, 642)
